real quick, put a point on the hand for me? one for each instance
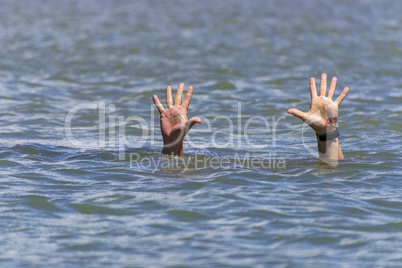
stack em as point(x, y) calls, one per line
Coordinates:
point(323, 114)
point(174, 123)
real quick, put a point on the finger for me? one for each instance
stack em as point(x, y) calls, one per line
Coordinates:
point(313, 89)
point(297, 113)
point(323, 87)
point(169, 99)
point(158, 104)
point(187, 97)
point(179, 94)
point(342, 96)
point(332, 88)
point(193, 121)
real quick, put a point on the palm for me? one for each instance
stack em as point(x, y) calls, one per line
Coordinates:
point(173, 122)
point(323, 113)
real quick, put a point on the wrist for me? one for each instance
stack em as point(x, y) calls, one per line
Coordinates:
point(328, 136)
point(173, 148)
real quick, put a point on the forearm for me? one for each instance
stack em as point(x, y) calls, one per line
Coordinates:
point(330, 150)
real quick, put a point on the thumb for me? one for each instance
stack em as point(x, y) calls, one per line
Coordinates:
point(192, 122)
point(297, 113)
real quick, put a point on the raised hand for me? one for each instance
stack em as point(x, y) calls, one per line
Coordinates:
point(174, 122)
point(322, 118)
point(323, 113)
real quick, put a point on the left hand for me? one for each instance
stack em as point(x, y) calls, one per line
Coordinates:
point(174, 122)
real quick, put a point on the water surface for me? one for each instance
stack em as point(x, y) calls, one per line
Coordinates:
point(93, 205)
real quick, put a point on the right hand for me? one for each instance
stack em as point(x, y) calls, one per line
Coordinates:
point(323, 113)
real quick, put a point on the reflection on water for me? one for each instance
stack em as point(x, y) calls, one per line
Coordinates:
point(73, 206)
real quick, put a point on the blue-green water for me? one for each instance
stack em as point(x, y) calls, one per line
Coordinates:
point(115, 201)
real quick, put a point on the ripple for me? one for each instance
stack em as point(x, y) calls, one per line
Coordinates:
point(186, 215)
point(92, 209)
point(41, 203)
